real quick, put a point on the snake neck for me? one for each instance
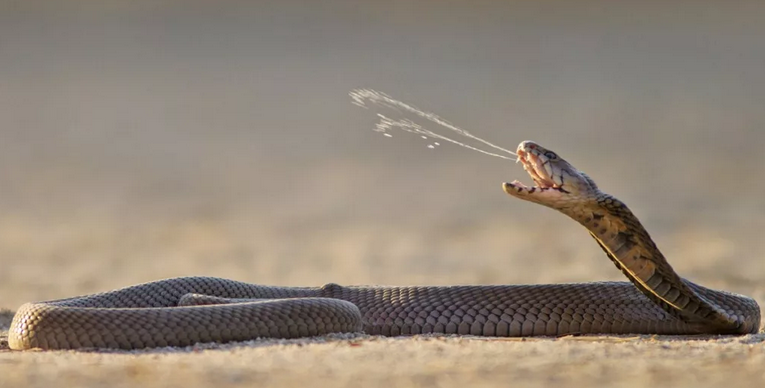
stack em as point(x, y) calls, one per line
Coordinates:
point(629, 246)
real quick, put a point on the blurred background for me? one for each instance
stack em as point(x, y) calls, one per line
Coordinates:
point(148, 139)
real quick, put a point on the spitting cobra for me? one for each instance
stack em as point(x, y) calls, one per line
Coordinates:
point(189, 310)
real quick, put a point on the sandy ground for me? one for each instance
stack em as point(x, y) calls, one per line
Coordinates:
point(390, 255)
point(147, 140)
point(429, 361)
point(352, 360)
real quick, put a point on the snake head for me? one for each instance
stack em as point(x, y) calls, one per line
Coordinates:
point(557, 184)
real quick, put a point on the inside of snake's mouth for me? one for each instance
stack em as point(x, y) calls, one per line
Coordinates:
point(539, 168)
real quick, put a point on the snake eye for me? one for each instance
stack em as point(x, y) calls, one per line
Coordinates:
point(551, 155)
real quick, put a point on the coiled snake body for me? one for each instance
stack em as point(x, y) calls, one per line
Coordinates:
point(185, 311)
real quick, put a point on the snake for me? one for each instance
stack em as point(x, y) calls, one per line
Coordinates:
point(185, 311)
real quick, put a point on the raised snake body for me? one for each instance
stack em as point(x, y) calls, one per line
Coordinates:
point(185, 311)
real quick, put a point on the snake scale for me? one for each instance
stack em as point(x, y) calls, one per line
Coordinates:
point(185, 311)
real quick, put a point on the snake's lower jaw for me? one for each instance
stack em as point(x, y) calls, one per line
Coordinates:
point(519, 190)
point(556, 198)
point(511, 188)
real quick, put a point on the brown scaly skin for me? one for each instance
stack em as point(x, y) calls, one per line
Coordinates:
point(562, 187)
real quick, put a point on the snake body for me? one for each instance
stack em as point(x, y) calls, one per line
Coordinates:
point(185, 311)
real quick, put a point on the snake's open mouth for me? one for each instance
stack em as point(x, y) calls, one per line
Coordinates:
point(538, 167)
